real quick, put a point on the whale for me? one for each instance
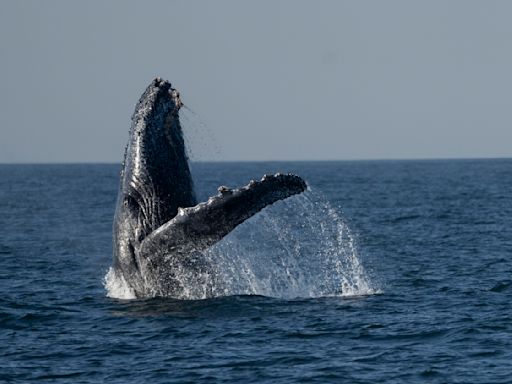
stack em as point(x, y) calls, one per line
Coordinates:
point(160, 230)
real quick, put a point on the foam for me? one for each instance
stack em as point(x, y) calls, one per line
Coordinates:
point(116, 286)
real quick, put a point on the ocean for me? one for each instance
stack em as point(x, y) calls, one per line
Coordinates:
point(384, 271)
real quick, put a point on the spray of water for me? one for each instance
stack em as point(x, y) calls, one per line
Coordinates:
point(201, 143)
point(116, 286)
point(299, 247)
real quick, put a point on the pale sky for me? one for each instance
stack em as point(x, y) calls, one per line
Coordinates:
point(268, 80)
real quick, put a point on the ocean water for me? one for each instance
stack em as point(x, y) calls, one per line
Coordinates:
point(385, 271)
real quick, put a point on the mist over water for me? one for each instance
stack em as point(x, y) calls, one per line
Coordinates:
point(200, 141)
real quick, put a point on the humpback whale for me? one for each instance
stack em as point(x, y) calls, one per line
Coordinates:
point(159, 229)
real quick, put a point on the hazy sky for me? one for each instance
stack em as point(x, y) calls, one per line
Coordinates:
point(269, 80)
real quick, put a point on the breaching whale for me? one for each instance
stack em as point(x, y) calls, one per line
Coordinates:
point(159, 229)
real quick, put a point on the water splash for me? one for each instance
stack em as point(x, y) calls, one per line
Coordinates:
point(116, 286)
point(299, 247)
point(201, 143)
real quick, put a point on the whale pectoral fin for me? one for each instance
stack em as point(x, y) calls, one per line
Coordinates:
point(205, 224)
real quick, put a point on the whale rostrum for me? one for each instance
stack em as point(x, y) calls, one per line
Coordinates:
point(159, 228)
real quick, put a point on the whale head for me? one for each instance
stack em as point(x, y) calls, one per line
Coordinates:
point(156, 177)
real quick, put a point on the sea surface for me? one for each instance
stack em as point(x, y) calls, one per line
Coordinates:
point(384, 271)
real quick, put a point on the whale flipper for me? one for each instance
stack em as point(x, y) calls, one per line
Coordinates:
point(197, 228)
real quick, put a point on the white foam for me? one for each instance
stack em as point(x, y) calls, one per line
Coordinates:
point(116, 286)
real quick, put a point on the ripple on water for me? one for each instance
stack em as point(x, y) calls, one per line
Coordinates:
point(443, 314)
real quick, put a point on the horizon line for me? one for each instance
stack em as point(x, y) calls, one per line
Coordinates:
point(272, 161)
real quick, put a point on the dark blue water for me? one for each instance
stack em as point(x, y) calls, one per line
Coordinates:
point(434, 238)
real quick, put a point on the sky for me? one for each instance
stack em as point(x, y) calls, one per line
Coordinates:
point(263, 80)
